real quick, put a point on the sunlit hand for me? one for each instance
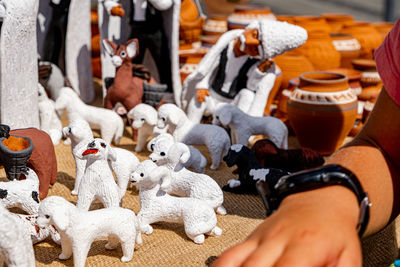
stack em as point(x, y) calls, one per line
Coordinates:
point(118, 11)
point(201, 95)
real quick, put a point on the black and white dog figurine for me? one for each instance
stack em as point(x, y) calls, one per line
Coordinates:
point(250, 171)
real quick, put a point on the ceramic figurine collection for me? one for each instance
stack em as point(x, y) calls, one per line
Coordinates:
point(249, 75)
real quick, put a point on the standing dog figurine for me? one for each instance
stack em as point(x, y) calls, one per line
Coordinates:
point(214, 137)
point(111, 125)
point(98, 181)
point(78, 229)
point(249, 170)
point(243, 126)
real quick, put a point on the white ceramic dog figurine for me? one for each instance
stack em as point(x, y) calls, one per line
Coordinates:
point(49, 120)
point(179, 181)
point(23, 194)
point(162, 143)
point(143, 117)
point(110, 123)
point(15, 243)
point(78, 229)
point(214, 137)
point(80, 134)
point(98, 181)
point(156, 205)
point(243, 126)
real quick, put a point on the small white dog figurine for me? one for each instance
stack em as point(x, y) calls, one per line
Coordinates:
point(243, 125)
point(23, 194)
point(214, 137)
point(15, 243)
point(179, 181)
point(49, 120)
point(110, 123)
point(98, 181)
point(156, 205)
point(80, 134)
point(162, 143)
point(78, 229)
point(144, 118)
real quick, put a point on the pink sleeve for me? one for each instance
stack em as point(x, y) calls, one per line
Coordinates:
point(387, 57)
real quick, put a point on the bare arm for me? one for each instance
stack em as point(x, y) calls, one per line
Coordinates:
point(318, 227)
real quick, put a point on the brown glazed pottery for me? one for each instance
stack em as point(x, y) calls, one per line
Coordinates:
point(366, 34)
point(292, 64)
point(320, 51)
point(191, 23)
point(244, 14)
point(322, 110)
point(215, 26)
point(336, 21)
point(283, 97)
point(348, 47)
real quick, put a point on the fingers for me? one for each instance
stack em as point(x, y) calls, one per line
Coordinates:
point(236, 255)
point(351, 256)
point(266, 254)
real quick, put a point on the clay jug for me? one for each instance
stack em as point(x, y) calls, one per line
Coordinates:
point(322, 110)
point(336, 21)
point(292, 64)
point(319, 50)
point(348, 47)
point(366, 34)
point(245, 14)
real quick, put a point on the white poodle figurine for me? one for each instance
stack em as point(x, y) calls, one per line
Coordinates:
point(214, 137)
point(156, 205)
point(243, 126)
point(49, 120)
point(179, 181)
point(23, 194)
point(110, 123)
point(162, 143)
point(98, 181)
point(80, 134)
point(15, 243)
point(143, 117)
point(78, 229)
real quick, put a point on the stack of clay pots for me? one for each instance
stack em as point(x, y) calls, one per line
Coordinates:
point(191, 23)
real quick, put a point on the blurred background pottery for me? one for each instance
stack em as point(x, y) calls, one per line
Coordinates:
point(322, 110)
point(244, 14)
point(370, 80)
point(312, 23)
point(215, 26)
point(383, 27)
point(336, 21)
point(191, 23)
point(348, 47)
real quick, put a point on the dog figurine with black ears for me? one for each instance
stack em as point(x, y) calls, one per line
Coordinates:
point(249, 170)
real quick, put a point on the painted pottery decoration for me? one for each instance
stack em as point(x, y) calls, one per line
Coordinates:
point(215, 26)
point(366, 34)
point(243, 15)
point(348, 47)
point(370, 80)
point(322, 110)
point(336, 21)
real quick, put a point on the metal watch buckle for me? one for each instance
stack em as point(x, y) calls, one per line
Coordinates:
point(363, 217)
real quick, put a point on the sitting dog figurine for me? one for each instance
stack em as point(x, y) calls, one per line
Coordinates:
point(156, 205)
point(23, 194)
point(243, 126)
point(247, 163)
point(78, 229)
point(291, 160)
point(98, 181)
point(15, 243)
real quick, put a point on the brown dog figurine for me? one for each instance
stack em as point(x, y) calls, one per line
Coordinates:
point(43, 159)
point(291, 160)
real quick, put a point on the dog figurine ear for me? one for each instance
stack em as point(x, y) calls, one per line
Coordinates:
point(61, 219)
point(132, 48)
point(110, 47)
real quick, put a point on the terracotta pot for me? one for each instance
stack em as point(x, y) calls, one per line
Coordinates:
point(222, 7)
point(191, 23)
point(209, 41)
point(370, 80)
point(274, 90)
point(287, 18)
point(383, 27)
point(313, 23)
point(215, 26)
point(354, 77)
point(283, 97)
point(336, 21)
point(322, 110)
point(243, 15)
point(320, 51)
point(348, 47)
point(366, 34)
point(292, 65)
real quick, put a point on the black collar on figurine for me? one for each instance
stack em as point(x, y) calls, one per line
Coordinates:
point(313, 179)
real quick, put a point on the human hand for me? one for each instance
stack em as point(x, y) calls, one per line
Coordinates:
point(201, 95)
point(314, 228)
point(264, 66)
point(118, 11)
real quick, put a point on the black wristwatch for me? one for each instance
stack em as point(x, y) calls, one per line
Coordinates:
point(313, 179)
